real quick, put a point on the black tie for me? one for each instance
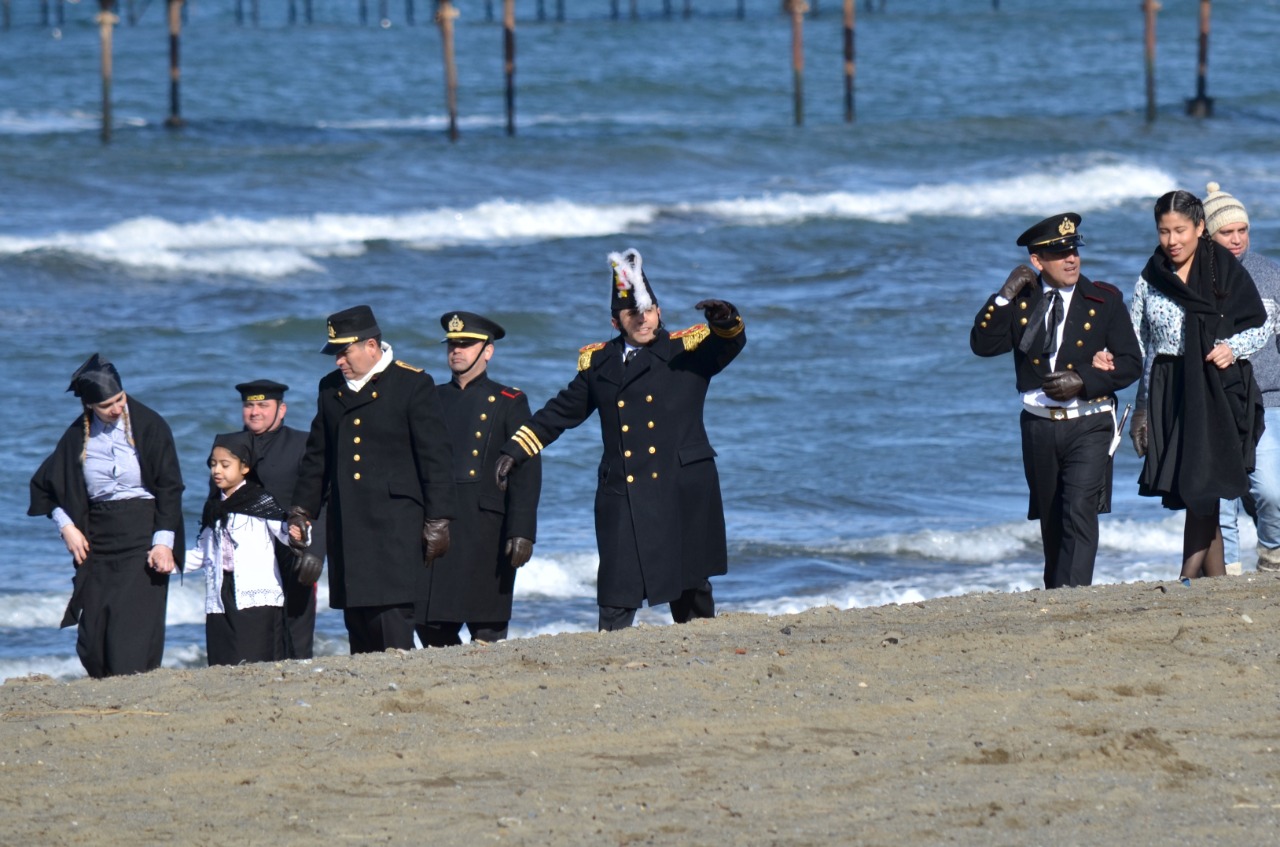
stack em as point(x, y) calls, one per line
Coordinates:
point(631, 354)
point(1055, 319)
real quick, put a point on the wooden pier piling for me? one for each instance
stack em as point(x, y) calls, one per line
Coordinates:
point(446, 14)
point(1149, 9)
point(106, 20)
point(509, 60)
point(175, 72)
point(798, 8)
point(1201, 106)
point(850, 57)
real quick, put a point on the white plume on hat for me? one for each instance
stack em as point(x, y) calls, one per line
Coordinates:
point(628, 275)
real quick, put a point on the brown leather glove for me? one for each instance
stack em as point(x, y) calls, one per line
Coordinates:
point(1018, 279)
point(1063, 385)
point(502, 469)
point(300, 518)
point(1138, 432)
point(307, 568)
point(715, 311)
point(435, 539)
point(519, 549)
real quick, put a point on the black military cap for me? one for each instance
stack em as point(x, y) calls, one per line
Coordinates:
point(468, 326)
point(261, 389)
point(631, 288)
point(348, 327)
point(238, 444)
point(95, 381)
point(1052, 234)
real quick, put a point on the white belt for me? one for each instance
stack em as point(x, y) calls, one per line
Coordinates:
point(1058, 413)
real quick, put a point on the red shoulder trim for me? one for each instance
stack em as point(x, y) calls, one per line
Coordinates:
point(506, 392)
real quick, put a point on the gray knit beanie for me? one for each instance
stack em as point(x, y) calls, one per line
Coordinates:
point(1221, 209)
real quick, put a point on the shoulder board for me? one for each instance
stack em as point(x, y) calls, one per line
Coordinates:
point(512, 393)
point(585, 354)
point(1108, 287)
point(408, 367)
point(691, 337)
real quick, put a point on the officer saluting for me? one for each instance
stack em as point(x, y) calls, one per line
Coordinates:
point(659, 518)
point(494, 531)
point(1054, 323)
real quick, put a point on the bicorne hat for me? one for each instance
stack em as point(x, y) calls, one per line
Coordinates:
point(95, 381)
point(631, 289)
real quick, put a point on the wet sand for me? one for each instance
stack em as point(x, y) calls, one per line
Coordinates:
point(1129, 714)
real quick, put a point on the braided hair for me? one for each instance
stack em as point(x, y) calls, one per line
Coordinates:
point(1190, 206)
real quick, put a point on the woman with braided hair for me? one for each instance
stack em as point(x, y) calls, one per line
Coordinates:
point(1197, 313)
point(114, 488)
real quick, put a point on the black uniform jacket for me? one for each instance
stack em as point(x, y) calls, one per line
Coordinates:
point(60, 479)
point(381, 455)
point(659, 517)
point(1096, 320)
point(474, 580)
point(276, 458)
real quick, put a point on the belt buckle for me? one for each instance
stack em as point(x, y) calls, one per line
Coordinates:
point(1056, 414)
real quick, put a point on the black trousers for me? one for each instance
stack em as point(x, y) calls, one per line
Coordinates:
point(696, 602)
point(300, 610)
point(1067, 467)
point(119, 603)
point(448, 633)
point(372, 629)
point(243, 635)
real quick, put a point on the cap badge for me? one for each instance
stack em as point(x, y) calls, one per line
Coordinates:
point(332, 332)
point(1066, 227)
point(456, 324)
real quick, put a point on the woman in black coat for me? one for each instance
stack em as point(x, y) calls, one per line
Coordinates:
point(114, 487)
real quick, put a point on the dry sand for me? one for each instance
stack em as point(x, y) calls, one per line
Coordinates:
point(1131, 714)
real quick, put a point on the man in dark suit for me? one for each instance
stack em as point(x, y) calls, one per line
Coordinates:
point(494, 531)
point(1054, 322)
point(659, 517)
point(379, 451)
point(277, 452)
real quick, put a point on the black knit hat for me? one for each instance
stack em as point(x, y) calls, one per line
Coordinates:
point(238, 444)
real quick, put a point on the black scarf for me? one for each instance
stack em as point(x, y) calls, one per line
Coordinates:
point(1221, 408)
point(249, 499)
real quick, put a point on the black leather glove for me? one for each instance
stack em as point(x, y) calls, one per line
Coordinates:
point(1063, 385)
point(435, 539)
point(307, 568)
point(1138, 432)
point(1018, 278)
point(300, 518)
point(519, 549)
point(715, 311)
point(502, 469)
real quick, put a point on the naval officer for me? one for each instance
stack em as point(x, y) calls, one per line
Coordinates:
point(1054, 319)
point(494, 531)
point(379, 452)
point(659, 518)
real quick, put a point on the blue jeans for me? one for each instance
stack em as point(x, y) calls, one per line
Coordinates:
point(1263, 499)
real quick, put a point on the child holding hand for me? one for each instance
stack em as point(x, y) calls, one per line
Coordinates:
point(240, 525)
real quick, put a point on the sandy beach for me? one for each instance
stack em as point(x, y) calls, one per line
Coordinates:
point(1124, 714)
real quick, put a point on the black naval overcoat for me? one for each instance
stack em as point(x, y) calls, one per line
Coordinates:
point(659, 516)
point(474, 580)
point(382, 457)
point(276, 458)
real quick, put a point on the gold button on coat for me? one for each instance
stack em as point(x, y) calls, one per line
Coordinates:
point(626, 428)
point(1023, 322)
point(1088, 326)
point(621, 403)
point(626, 454)
point(484, 417)
point(648, 398)
point(630, 478)
point(356, 422)
point(356, 457)
point(653, 450)
point(356, 439)
point(357, 476)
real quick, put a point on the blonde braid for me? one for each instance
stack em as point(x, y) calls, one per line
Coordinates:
point(128, 427)
point(84, 449)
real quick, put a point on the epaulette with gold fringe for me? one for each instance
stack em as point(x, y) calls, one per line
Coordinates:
point(408, 367)
point(585, 354)
point(693, 336)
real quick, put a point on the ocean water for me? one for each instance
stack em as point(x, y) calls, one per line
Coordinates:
point(866, 456)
